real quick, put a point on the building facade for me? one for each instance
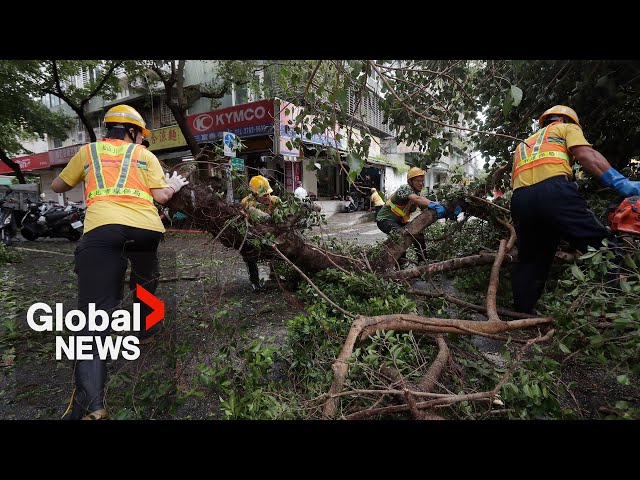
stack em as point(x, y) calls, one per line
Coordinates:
point(265, 128)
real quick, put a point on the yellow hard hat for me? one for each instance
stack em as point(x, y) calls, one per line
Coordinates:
point(560, 110)
point(126, 114)
point(414, 172)
point(260, 185)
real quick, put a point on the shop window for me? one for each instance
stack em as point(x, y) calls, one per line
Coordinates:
point(327, 181)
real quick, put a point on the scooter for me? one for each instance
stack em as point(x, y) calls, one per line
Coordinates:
point(8, 227)
point(49, 219)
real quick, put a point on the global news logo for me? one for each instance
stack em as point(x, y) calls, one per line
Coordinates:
point(42, 318)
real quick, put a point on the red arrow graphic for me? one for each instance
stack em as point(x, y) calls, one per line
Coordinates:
point(154, 302)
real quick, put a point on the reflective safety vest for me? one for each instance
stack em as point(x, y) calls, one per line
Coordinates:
point(539, 149)
point(109, 176)
point(403, 211)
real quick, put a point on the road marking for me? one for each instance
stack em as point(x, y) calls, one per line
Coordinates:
point(372, 232)
point(44, 251)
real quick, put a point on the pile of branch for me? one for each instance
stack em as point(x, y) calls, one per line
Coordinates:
point(363, 327)
point(230, 224)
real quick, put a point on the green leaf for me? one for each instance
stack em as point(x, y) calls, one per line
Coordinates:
point(575, 270)
point(623, 380)
point(516, 94)
point(621, 321)
point(535, 390)
point(597, 258)
point(341, 98)
point(355, 163)
point(564, 348)
point(630, 262)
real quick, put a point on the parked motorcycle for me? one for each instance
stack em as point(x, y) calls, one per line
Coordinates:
point(49, 219)
point(349, 204)
point(8, 227)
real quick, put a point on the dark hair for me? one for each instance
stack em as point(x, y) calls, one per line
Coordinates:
point(117, 131)
point(551, 118)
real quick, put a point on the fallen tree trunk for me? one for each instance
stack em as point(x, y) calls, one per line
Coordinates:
point(229, 223)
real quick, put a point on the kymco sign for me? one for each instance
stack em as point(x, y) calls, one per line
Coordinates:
point(247, 120)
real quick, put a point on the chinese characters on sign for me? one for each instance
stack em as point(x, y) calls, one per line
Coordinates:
point(166, 137)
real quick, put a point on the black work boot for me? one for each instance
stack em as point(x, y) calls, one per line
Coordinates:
point(88, 398)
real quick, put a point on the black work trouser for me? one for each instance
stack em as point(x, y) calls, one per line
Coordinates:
point(544, 213)
point(254, 273)
point(101, 262)
point(388, 226)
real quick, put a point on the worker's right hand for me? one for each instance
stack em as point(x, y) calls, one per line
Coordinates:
point(440, 210)
point(625, 187)
point(176, 181)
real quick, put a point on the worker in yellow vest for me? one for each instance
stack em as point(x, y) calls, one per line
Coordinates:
point(376, 200)
point(546, 205)
point(121, 181)
point(260, 204)
point(395, 214)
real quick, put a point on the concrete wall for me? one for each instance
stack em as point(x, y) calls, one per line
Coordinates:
point(309, 178)
point(392, 180)
point(47, 176)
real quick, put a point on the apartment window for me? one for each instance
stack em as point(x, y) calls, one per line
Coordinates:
point(85, 78)
point(57, 143)
point(166, 117)
point(241, 94)
point(123, 93)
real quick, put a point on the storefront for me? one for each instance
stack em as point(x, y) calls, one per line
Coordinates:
point(47, 166)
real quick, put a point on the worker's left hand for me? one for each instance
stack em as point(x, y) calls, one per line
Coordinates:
point(176, 182)
point(440, 210)
point(457, 211)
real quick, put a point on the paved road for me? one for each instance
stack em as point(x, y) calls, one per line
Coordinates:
point(356, 227)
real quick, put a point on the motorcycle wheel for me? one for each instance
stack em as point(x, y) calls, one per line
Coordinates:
point(28, 234)
point(74, 235)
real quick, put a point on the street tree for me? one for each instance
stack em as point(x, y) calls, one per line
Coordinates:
point(58, 78)
point(23, 116)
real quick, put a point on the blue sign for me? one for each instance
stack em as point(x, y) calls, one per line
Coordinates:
point(229, 140)
point(248, 131)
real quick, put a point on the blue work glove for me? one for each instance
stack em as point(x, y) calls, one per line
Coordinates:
point(457, 211)
point(440, 211)
point(625, 187)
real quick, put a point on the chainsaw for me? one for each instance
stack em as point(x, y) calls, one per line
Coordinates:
point(625, 218)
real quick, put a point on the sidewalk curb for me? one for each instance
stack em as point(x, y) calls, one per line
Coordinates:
point(353, 218)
